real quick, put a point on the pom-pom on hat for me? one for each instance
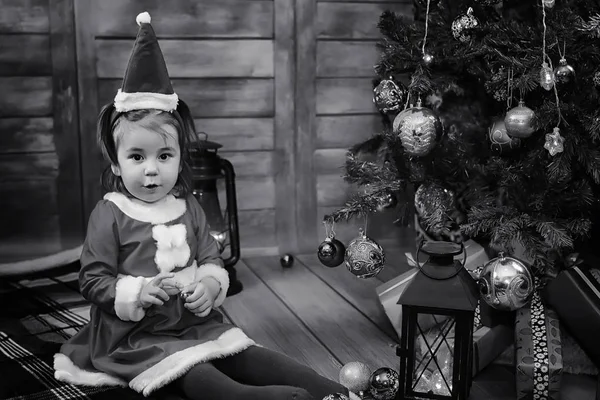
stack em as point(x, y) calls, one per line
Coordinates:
point(146, 84)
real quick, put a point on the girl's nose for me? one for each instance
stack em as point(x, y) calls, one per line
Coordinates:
point(150, 169)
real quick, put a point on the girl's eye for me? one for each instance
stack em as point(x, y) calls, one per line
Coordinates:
point(136, 157)
point(165, 156)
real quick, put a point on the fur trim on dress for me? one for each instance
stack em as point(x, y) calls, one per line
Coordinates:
point(127, 305)
point(145, 100)
point(66, 371)
point(220, 274)
point(161, 212)
point(172, 249)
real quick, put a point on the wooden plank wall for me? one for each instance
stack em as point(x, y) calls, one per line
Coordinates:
point(40, 205)
point(226, 65)
point(346, 34)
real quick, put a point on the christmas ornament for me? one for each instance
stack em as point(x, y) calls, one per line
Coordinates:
point(427, 59)
point(385, 201)
point(546, 77)
point(548, 3)
point(286, 261)
point(463, 26)
point(520, 121)
point(564, 73)
point(384, 384)
point(419, 130)
point(505, 283)
point(433, 204)
point(389, 95)
point(596, 78)
point(355, 376)
point(554, 142)
point(336, 396)
point(501, 142)
point(331, 252)
point(364, 257)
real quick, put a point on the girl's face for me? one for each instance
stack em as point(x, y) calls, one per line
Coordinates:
point(149, 161)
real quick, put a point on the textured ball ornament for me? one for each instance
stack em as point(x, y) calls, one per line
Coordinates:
point(355, 376)
point(433, 204)
point(520, 121)
point(331, 252)
point(336, 396)
point(501, 142)
point(419, 130)
point(389, 96)
point(364, 257)
point(384, 384)
point(463, 26)
point(564, 73)
point(505, 283)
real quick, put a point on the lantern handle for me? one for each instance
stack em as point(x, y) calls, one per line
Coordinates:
point(463, 250)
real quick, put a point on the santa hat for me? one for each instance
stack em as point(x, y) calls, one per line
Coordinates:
point(146, 84)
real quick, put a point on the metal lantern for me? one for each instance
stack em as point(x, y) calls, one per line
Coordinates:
point(207, 169)
point(438, 308)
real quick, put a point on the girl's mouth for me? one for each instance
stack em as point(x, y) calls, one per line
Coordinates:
point(151, 186)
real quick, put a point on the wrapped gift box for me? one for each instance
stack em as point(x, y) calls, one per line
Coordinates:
point(538, 352)
point(575, 296)
point(489, 343)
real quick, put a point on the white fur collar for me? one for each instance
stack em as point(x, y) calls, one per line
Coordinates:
point(161, 212)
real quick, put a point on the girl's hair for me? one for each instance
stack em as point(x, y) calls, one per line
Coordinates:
point(181, 119)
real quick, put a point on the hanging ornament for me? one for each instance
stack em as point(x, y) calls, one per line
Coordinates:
point(546, 77)
point(336, 396)
point(596, 79)
point(505, 283)
point(384, 384)
point(433, 205)
point(389, 95)
point(463, 26)
point(427, 59)
point(520, 121)
point(554, 142)
point(419, 130)
point(548, 3)
point(355, 376)
point(331, 251)
point(564, 72)
point(386, 201)
point(364, 257)
point(501, 142)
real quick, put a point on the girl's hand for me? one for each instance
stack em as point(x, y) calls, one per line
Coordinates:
point(152, 292)
point(202, 297)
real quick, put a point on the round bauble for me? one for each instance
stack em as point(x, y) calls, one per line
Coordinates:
point(500, 141)
point(389, 95)
point(336, 396)
point(564, 73)
point(520, 121)
point(384, 384)
point(505, 283)
point(331, 252)
point(355, 376)
point(463, 26)
point(419, 130)
point(364, 257)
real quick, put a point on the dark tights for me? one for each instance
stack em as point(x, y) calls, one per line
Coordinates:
point(256, 374)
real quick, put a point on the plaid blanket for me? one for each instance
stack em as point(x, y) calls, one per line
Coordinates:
point(36, 317)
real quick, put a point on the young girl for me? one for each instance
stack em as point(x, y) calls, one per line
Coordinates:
point(152, 271)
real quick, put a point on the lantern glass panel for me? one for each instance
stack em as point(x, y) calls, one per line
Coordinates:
point(433, 367)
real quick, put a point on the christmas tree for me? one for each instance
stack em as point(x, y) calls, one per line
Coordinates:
point(491, 117)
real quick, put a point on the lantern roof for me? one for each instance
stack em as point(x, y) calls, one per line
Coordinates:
point(205, 144)
point(457, 292)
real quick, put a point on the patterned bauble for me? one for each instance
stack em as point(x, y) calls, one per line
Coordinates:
point(554, 142)
point(419, 130)
point(546, 77)
point(505, 283)
point(336, 396)
point(596, 79)
point(463, 26)
point(331, 252)
point(389, 95)
point(433, 205)
point(384, 384)
point(364, 257)
point(355, 376)
point(501, 142)
point(564, 73)
point(520, 121)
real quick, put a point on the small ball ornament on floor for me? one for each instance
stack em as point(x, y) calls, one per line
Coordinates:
point(505, 283)
point(286, 261)
point(384, 384)
point(389, 95)
point(419, 130)
point(364, 257)
point(463, 26)
point(355, 376)
point(520, 121)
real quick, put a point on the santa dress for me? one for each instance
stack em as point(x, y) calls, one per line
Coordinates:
point(127, 244)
